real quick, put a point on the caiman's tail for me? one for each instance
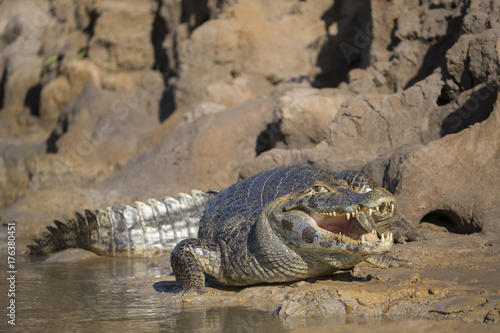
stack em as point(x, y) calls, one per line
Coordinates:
point(144, 230)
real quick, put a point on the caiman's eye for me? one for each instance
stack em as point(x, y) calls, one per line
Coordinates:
point(319, 188)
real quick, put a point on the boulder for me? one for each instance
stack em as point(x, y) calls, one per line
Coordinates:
point(96, 135)
point(16, 155)
point(366, 128)
point(244, 51)
point(305, 113)
point(205, 151)
point(121, 35)
point(457, 177)
point(474, 58)
point(61, 91)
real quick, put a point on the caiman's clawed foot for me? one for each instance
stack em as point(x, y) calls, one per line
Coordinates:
point(401, 229)
point(385, 261)
point(186, 293)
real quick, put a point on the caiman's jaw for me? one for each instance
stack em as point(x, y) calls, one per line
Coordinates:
point(347, 224)
point(340, 221)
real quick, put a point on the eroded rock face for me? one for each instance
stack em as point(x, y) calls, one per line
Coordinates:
point(457, 177)
point(61, 91)
point(473, 59)
point(366, 128)
point(96, 135)
point(118, 35)
point(245, 52)
point(386, 135)
point(180, 162)
point(398, 78)
point(107, 102)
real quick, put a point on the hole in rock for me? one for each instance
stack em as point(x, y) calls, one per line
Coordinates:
point(89, 29)
point(268, 138)
point(167, 104)
point(476, 109)
point(158, 33)
point(194, 13)
point(32, 100)
point(451, 221)
point(3, 81)
point(349, 34)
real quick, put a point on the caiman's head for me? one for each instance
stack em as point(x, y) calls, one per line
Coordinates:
point(333, 216)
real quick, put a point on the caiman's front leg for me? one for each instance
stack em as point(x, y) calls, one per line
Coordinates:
point(191, 259)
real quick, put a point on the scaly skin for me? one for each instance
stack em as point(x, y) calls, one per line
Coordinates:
point(145, 230)
point(281, 225)
point(286, 224)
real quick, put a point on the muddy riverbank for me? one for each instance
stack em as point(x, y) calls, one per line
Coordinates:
point(453, 285)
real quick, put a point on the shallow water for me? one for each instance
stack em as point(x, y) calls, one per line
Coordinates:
point(118, 295)
point(100, 295)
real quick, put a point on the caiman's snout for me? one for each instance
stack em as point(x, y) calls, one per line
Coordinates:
point(379, 199)
point(345, 213)
point(345, 202)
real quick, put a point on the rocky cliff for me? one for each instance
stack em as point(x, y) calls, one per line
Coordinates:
point(105, 102)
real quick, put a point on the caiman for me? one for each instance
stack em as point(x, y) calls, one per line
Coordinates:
point(286, 224)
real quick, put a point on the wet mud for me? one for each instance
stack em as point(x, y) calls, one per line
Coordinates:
point(454, 285)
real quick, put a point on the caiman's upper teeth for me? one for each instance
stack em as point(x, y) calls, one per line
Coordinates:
point(348, 215)
point(392, 207)
point(370, 211)
point(374, 232)
point(363, 239)
point(330, 213)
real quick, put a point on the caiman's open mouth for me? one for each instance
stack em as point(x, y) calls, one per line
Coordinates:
point(347, 224)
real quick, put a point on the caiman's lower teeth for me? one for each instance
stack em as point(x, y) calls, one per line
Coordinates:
point(387, 239)
point(363, 239)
